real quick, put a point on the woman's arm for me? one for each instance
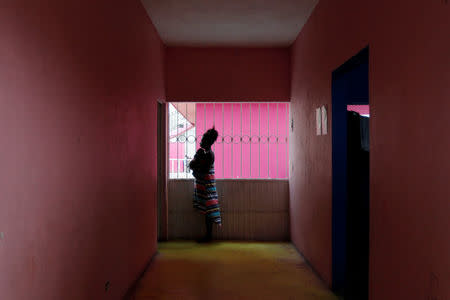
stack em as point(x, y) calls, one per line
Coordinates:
point(202, 161)
point(196, 162)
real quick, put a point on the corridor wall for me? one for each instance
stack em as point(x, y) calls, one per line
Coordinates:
point(79, 81)
point(409, 71)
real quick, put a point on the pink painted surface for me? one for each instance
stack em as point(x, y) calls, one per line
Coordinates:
point(282, 146)
point(219, 146)
point(236, 146)
point(177, 152)
point(272, 147)
point(246, 158)
point(77, 147)
point(228, 146)
point(264, 149)
point(210, 122)
point(409, 91)
point(245, 147)
point(228, 74)
point(361, 109)
point(200, 123)
point(254, 145)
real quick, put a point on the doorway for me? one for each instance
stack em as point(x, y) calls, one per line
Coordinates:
point(350, 159)
point(162, 214)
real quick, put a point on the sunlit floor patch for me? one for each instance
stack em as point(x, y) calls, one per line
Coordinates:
point(230, 270)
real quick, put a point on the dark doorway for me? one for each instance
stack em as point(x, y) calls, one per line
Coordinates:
point(350, 157)
point(162, 172)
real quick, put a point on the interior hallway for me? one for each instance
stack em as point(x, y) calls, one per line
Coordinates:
point(81, 85)
point(230, 270)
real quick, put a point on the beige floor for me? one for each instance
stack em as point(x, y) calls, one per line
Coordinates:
point(230, 270)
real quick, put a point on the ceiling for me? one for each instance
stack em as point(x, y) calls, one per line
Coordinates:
point(237, 23)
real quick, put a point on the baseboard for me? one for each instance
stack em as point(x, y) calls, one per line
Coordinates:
point(129, 295)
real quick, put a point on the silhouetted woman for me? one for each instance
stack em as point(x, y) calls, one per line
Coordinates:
point(205, 192)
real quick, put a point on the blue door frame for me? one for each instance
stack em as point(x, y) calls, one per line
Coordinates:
point(350, 86)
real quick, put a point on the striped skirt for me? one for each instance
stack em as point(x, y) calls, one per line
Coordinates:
point(205, 196)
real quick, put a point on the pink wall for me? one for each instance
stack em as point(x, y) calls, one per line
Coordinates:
point(177, 153)
point(409, 92)
point(78, 87)
point(228, 74)
point(360, 109)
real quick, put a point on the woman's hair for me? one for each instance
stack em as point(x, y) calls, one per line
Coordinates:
point(209, 137)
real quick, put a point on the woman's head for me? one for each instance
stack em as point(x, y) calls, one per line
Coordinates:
point(209, 138)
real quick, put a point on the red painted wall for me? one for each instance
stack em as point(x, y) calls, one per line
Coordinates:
point(79, 82)
point(228, 74)
point(409, 101)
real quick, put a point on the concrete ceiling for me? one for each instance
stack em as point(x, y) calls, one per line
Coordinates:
point(242, 23)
